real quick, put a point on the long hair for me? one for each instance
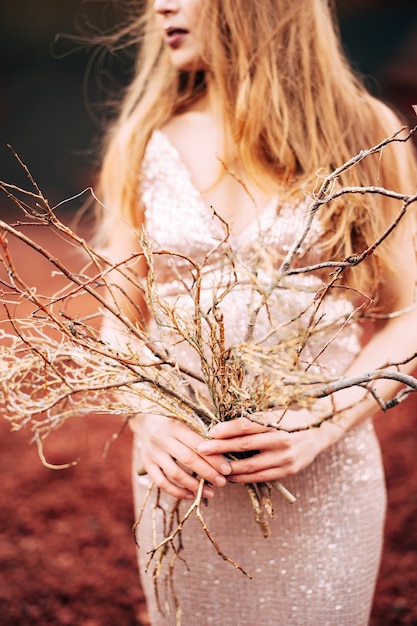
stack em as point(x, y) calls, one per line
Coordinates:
point(292, 106)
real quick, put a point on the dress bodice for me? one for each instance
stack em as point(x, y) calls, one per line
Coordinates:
point(178, 220)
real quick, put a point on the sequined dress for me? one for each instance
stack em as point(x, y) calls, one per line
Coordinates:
point(319, 565)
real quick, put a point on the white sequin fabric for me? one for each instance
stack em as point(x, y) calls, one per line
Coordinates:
point(319, 565)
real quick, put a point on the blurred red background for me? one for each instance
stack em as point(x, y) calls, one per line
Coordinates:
point(67, 555)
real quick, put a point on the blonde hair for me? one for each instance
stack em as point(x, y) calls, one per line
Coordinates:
point(292, 106)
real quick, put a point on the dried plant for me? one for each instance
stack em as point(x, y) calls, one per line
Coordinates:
point(55, 363)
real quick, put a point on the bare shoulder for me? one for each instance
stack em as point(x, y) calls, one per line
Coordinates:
point(388, 117)
point(403, 152)
point(398, 160)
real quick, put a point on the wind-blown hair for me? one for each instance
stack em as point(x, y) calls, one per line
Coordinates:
point(292, 107)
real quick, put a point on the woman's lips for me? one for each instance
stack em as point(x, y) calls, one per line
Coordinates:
point(175, 37)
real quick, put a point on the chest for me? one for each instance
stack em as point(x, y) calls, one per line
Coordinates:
point(179, 217)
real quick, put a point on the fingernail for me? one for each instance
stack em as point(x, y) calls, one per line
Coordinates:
point(220, 481)
point(208, 493)
point(204, 447)
point(225, 468)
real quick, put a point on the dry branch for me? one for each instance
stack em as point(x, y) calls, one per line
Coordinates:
point(55, 363)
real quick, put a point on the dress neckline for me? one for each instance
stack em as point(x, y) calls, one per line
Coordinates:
point(208, 211)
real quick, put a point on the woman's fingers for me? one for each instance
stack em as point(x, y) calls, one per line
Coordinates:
point(271, 454)
point(212, 468)
point(189, 461)
point(266, 475)
point(236, 427)
point(162, 482)
point(263, 467)
point(171, 478)
point(248, 442)
point(170, 457)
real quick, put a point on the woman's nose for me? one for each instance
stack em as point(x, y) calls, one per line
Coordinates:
point(165, 6)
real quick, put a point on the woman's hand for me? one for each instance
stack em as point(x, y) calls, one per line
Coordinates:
point(277, 453)
point(170, 456)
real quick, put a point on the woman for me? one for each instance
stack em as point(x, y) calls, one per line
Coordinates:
point(237, 105)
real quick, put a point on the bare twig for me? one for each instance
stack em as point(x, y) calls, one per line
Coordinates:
point(55, 364)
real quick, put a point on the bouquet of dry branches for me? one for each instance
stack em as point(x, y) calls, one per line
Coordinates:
point(56, 363)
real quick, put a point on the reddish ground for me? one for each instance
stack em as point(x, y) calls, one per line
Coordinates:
point(67, 556)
